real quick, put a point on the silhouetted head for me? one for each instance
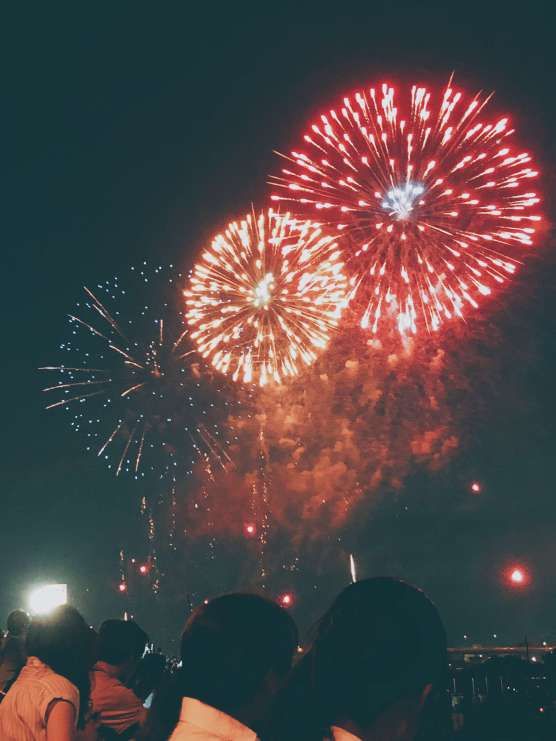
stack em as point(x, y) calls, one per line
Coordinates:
point(18, 623)
point(236, 651)
point(63, 641)
point(381, 643)
point(121, 643)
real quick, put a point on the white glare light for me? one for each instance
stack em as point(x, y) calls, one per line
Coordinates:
point(399, 201)
point(43, 600)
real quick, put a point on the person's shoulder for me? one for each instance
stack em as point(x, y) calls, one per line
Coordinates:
point(58, 686)
point(111, 692)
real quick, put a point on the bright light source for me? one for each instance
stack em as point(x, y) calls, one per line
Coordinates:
point(122, 586)
point(518, 576)
point(286, 599)
point(143, 569)
point(43, 600)
point(250, 529)
point(476, 487)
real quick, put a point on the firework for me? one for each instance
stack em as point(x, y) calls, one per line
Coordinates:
point(129, 380)
point(518, 576)
point(264, 297)
point(433, 199)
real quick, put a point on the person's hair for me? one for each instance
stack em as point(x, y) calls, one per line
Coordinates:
point(381, 640)
point(119, 641)
point(62, 640)
point(18, 622)
point(230, 645)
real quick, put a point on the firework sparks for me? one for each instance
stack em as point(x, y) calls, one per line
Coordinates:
point(264, 297)
point(130, 381)
point(434, 202)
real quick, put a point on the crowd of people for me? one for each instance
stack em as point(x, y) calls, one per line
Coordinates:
point(376, 670)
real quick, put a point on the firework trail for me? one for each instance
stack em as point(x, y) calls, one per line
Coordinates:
point(265, 296)
point(129, 379)
point(434, 201)
point(352, 568)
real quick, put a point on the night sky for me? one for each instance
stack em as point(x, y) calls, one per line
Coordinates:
point(137, 135)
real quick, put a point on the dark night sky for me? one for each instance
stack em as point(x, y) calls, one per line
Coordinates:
point(134, 134)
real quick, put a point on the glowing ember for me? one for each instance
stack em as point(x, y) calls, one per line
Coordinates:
point(476, 488)
point(250, 529)
point(265, 296)
point(433, 199)
point(286, 599)
point(122, 586)
point(143, 569)
point(518, 576)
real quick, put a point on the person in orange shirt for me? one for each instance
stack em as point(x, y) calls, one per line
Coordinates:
point(121, 644)
point(48, 700)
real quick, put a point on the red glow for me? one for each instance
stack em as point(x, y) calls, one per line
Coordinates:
point(122, 586)
point(518, 576)
point(143, 569)
point(250, 529)
point(286, 599)
point(476, 488)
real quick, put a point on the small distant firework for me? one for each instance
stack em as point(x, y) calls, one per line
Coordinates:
point(250, 529)
point(518, 576)
point(130, 380)
point(476, 487)
point(265, 296)
point(286, 600)
point(434, 201)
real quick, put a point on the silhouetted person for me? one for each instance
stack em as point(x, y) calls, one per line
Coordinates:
point(50, 696)
point(115, 707)
point(150, 677)
point(236, 652)
point(379, 655)
point(377, 670)
point(13, 654)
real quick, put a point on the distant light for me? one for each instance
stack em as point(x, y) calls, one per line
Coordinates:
point(541, 710)
point(534, 658)
point(143, 569)
point(494, 635)
point(286, 599)
point(250, 529)
point(518, 576)
point(544, 643)
point(476, 487)
point(122, 586)
point(43, 600)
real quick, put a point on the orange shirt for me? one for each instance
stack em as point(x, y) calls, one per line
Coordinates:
point(112, 703)
point(24, 710)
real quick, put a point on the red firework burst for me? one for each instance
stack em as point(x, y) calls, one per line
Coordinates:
point(433, 200)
